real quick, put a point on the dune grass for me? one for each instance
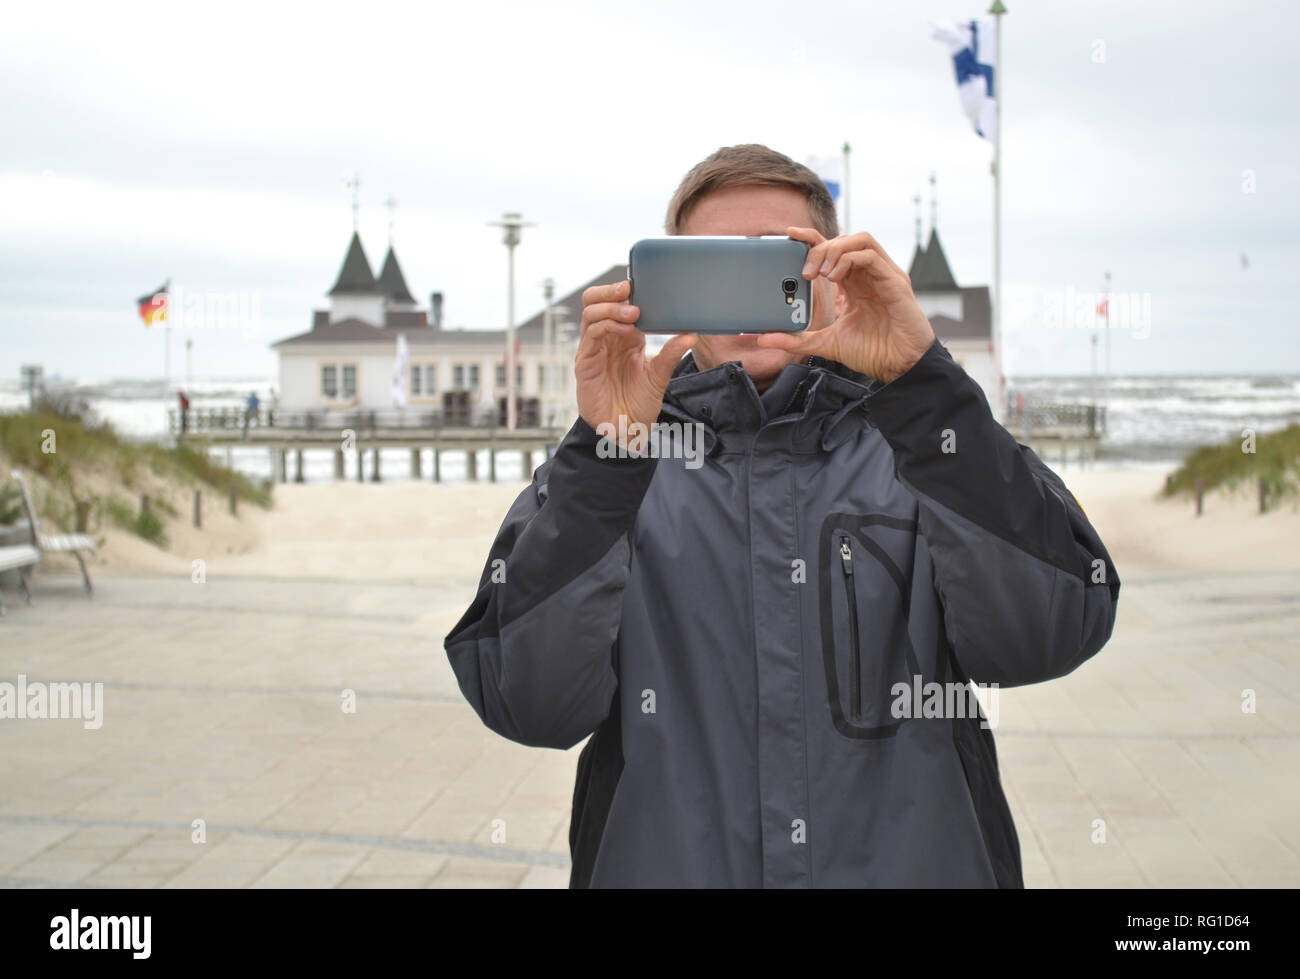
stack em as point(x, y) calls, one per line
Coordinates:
point(1276, 460)
point(62, 448)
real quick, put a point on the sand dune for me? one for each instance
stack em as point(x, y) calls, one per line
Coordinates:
point(421, 532)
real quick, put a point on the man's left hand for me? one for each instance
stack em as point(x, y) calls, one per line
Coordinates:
point(880, 330)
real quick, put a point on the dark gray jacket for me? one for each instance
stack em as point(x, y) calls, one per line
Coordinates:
point(747, 726)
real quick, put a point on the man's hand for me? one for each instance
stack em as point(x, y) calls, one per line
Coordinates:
point(613, 375)
point(879, 329)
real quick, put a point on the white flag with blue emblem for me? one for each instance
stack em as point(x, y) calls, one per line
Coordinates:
point(974, 50)
point(831, 170)
point(399, 371)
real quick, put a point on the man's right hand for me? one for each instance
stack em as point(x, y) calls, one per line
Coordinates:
point(613, 376)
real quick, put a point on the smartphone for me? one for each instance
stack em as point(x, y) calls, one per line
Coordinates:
point(720, 284)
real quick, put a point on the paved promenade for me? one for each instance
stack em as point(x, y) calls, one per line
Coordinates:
point(223, 703)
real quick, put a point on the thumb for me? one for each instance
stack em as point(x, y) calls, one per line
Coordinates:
point(661, 368)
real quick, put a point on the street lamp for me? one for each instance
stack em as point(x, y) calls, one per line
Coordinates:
point(512, 224)
point(548, 345)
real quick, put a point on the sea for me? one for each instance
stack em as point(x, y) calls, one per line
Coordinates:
point(1153, 421)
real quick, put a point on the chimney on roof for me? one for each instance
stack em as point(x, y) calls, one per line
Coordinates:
point(435, 310)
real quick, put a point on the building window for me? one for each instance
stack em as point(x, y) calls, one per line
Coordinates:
point(473, 377)
point(458, 377)
point(431, 379)
point(541, 377)
point(338, 381)
point(415, 380)
point(501, 375)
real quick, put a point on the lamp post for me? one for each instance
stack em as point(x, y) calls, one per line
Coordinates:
point(511, 223)
point(569, 336)
point(548, 346)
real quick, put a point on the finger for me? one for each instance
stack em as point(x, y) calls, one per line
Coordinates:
point(811, 235)
point(619, 312)
point(805, 343)
point(869, 241)
point(665, 361)
point(609, 328)
point(834, 249)
point(609, 293)
point(869, 261)
point(840, 246)
point(886, 281)
point(813, 238)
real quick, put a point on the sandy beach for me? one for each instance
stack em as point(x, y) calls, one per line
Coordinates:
point(425, 532)
point(223, 703)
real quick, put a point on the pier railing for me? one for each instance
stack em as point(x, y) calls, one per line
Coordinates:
point(235, 421)
point(1065, 421)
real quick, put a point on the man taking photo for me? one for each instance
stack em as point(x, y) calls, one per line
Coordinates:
point(747, 641)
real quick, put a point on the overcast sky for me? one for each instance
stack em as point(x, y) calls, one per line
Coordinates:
point(207, 143)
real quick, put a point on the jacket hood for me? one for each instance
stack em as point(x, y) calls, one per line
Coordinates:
point(823, 401)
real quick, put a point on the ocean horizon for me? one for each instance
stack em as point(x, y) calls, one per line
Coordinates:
point(1154, 420)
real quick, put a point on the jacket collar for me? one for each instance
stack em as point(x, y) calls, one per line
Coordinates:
point(826, 399)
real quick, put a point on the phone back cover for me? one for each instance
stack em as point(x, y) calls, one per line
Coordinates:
point(712, 284)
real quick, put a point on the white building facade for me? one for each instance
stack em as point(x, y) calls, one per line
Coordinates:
point(348, 359)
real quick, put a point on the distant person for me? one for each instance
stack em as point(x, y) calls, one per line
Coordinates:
point(185, 411)
point(250, 413)
point(733, 627)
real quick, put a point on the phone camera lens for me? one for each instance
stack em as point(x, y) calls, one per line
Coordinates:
point(789, 286)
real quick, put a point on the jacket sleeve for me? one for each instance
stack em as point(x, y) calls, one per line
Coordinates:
point(1027, 587)
point(534, 652)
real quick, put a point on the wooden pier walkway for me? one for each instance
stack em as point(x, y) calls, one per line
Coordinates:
point(283, 433)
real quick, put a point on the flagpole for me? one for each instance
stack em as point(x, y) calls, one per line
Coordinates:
point(167, 342)
point(997, 10)
point(1105, 390)
point(847, 221)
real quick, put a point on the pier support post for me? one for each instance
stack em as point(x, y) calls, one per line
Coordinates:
point(284, 465)
point(437, 465)
point(415, 463)
point(1200, 496)
point(374, 477)
point(198, 509)
point(492, 465)
point(471, 465)
point(361, 466)
point(301, 476)
point(528, 464)
point(338, 463)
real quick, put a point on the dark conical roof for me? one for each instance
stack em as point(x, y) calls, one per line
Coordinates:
point(930, 271)
point(355, 275)
point(917, 254)
point(391, 281)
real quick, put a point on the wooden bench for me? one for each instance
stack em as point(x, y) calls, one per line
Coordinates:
point(74, 544)
point(18, 557)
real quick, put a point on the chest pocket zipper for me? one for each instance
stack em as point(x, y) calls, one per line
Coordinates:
point(855, 651)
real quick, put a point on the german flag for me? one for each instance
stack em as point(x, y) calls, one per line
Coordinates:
point(153, 306)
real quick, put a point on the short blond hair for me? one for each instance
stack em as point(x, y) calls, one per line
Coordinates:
point(751, 164)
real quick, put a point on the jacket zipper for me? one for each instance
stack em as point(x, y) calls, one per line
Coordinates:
point(855, 661)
